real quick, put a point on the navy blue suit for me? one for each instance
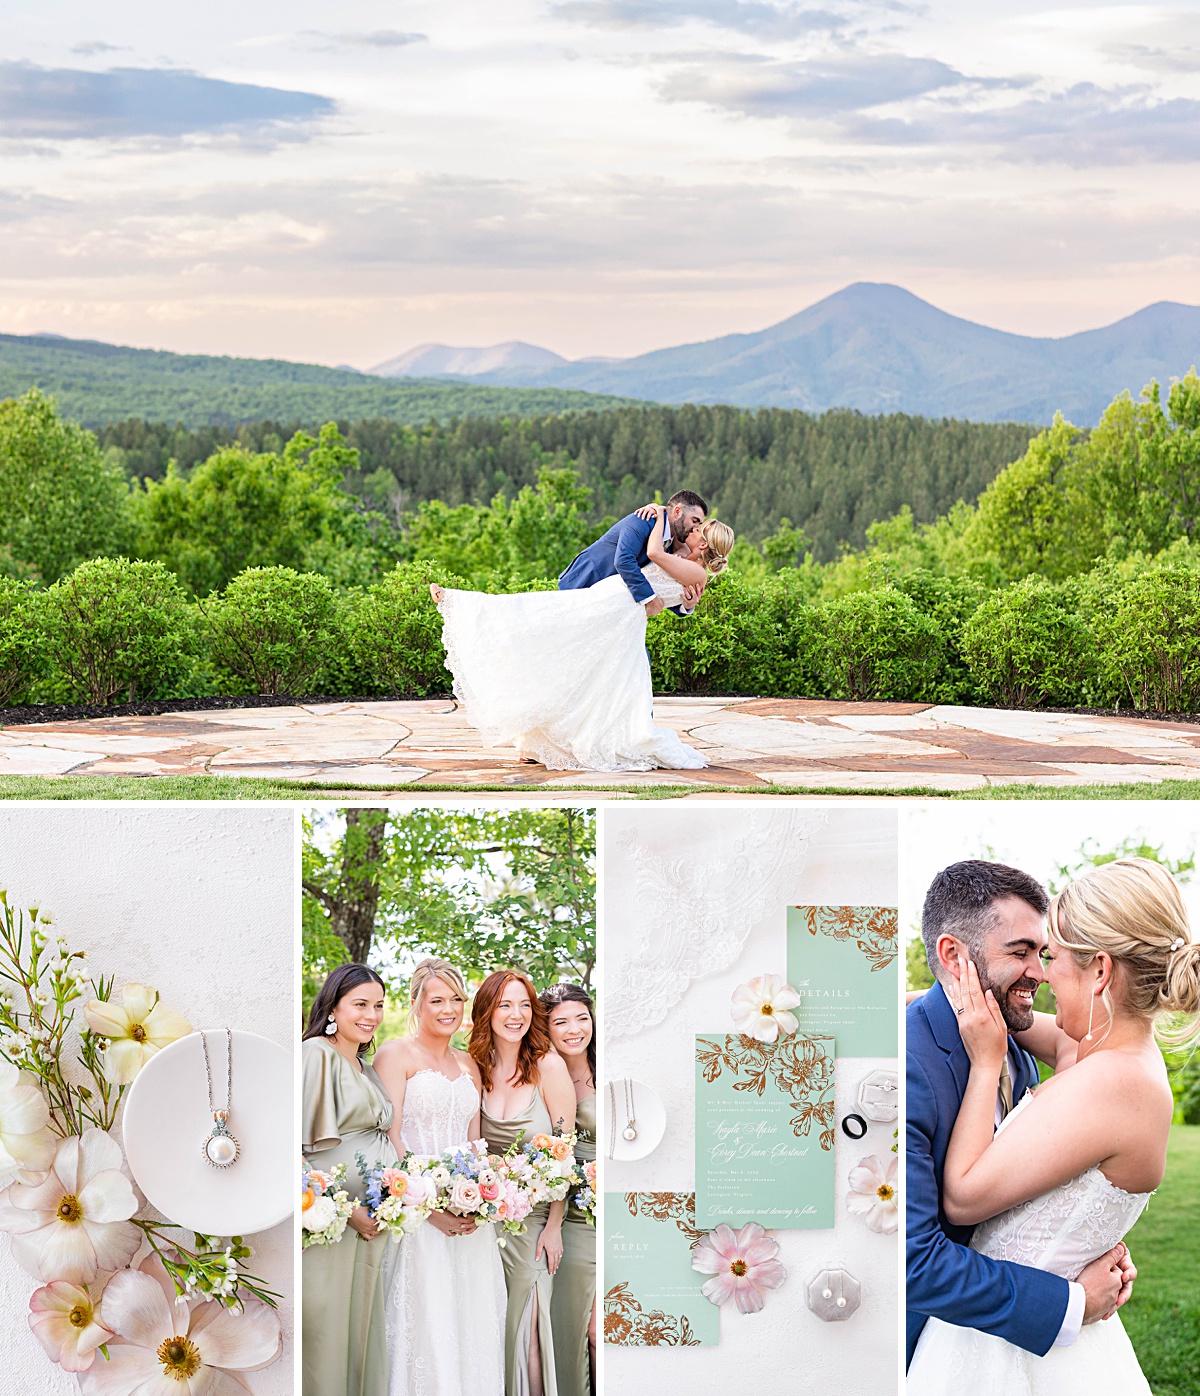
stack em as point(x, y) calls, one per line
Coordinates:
point(622, 550)
point(945, 1279)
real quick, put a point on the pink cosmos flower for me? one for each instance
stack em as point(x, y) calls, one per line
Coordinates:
point(176, 1349)
point(75, 1221)
point(873, 1195)
point(64, 1320)
point(743, 1264)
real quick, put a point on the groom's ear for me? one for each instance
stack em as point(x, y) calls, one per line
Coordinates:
point(950, 954)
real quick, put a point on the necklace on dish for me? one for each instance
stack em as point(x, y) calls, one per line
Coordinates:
point(220, 1148)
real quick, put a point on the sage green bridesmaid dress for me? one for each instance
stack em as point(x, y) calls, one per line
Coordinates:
point(575, 1279)
point(344, 1341)
point(527, 1280)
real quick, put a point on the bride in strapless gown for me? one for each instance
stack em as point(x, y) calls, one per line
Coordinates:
point(447, 1300)
point(1061, 1231)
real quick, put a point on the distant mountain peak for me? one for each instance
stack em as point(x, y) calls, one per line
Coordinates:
point(437, 360)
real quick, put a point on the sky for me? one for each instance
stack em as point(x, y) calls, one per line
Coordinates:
point(1039, 838)
point(602, 177)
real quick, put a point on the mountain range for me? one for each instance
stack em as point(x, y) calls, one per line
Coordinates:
point(870, 346)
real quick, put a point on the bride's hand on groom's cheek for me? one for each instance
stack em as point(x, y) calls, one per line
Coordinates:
point(980, 1022)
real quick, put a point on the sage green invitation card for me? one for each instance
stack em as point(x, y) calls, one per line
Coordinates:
point(841, 960)
point(651, 1293)
point(764, 1131)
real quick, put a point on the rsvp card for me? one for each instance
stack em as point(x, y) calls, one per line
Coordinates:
point(651, 1293)
point(841, 961)
point(764, 1131)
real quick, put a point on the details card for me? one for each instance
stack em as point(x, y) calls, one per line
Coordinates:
point(652, 1295)
point(764, 1131)
point(841, 960)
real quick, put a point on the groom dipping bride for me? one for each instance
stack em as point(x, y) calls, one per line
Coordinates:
point(564, 675)
point(1019, 1194)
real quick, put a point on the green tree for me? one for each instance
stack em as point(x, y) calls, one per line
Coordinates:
point(61, 502)
point(481, 888)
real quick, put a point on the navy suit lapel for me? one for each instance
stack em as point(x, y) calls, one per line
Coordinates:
point(943, 1023)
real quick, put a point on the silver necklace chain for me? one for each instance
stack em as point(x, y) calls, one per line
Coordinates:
point(228, 1072)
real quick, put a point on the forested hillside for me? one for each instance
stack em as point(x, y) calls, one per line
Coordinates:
point(832, 475)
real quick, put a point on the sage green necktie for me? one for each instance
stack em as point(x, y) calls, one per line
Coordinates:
point(1006, 1094)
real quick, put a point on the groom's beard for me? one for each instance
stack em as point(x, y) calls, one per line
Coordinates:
point(1017, 1015)
point(680, 528)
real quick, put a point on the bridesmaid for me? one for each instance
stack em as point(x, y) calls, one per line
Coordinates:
point(526, 1091)
point(346, 1110)
point(572, 1026)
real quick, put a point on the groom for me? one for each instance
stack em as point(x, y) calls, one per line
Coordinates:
point(623, 550)
point(995, 915)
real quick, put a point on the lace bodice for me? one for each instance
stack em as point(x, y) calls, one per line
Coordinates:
point(665, 586)
point(1064, 1229)
point(437, 1111)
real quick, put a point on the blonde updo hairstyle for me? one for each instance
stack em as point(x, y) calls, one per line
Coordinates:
point(1133, 911)
point(718, 544)
point(432, 968)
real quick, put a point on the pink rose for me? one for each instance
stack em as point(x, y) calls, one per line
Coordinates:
point(420, 1190)
point(465, 1196)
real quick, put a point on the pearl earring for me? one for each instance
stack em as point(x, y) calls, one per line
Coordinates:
point(1091, 1010)
point(330, 1027)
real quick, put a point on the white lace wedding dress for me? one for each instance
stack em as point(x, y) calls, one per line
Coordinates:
point(563, 675)
point(446, 1300)
point(1061, 1231)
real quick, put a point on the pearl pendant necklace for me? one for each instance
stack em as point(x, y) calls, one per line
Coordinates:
point(629, 1133)
point(220, 1148)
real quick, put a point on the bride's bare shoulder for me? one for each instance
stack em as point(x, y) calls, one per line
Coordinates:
point(1113, 1084)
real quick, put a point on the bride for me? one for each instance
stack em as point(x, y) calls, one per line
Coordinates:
point(446, 1300)
point(1072, 1166)
point(564, 675)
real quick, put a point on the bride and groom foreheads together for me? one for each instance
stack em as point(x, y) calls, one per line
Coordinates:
point(564, 675)
point(1020, 1193)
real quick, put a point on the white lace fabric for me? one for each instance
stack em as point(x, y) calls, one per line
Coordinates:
point(1062, 1231)
point(563, 675)
point(446, 1299)
point(698, 903)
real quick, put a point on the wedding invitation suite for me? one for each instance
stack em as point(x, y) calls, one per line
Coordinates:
point(652, 1295)
point(764, 1131)
point(838, 961)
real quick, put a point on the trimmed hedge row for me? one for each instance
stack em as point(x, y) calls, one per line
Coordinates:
point(115, 630)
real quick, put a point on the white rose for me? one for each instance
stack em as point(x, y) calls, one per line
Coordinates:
point(464, 1195)
point(320, 1215)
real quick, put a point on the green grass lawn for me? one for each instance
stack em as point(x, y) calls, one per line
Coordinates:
point(202, 787)
point(1163, 1317)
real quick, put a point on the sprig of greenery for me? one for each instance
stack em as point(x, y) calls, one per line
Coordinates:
point(211, 1270)
point(40, 978)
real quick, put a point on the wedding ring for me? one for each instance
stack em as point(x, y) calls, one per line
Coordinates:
point(960, 1011)
point(848, 1132)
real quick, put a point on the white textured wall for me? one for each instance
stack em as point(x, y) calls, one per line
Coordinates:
point(196, 900)
point(852, 861)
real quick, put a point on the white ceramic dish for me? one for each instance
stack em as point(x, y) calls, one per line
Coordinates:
point(650, 1117)
point(167, 1121)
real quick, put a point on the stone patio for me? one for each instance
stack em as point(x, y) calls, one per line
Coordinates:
point(751, 744)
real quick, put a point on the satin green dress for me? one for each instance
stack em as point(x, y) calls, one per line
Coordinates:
point(528, 1280)
point(575, 1279)
point(344, 1341)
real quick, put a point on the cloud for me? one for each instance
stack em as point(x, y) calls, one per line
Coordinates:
point(123, 103)
point(1084, 126)
point(1158, 60)
point(847, 82)
point(375, 38)
point(756, 17)
point(90, 47)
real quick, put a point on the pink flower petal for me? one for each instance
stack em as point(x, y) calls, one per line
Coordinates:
point(63, 1252)
point(137, 1310)
point(786, 998)
point(115, 1243)
point(108, 1197)
point(129, 1371)
point(718, 1290)
point(747, 1297)
point(211, 1381)
point(758, 1252)
point(788, 1022)
point(244, 1341)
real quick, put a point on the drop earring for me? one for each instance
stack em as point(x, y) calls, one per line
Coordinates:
point(330, 1027)
point(1091, 1010)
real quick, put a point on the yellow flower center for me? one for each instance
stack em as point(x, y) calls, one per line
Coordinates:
point(738, 1267)
point(180, 1357)
point(885, 1193)
point(80, 1316)
point(768, 1009)
point(69, 1209)
point(138, 1033)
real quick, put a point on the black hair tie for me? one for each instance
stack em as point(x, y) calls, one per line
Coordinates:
point(848, 1132)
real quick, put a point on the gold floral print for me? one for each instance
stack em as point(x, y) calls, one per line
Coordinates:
point(800, 1065)
point(874, 929)
point(626, 1323)
point(679, 1207)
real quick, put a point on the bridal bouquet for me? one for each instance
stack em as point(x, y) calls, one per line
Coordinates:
point(585, 1198)
point(474, 1183)
point(546, 1165)
point(324, 1211)
point(67, 1202)
point(400, 1196)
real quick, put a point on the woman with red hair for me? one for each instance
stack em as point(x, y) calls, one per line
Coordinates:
point(527, 1090)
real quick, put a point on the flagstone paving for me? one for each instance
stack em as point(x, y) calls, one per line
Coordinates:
point(751, 744)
